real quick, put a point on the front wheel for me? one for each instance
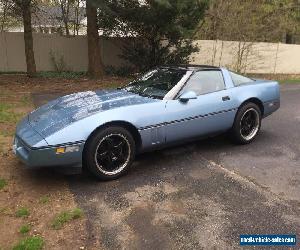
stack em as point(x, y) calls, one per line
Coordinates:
point(109, 153)
point(247, 124)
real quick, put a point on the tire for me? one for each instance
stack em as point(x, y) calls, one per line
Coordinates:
point(109, 153)
point(246, 129)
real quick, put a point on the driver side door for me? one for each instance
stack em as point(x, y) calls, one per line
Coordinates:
point(211, 112)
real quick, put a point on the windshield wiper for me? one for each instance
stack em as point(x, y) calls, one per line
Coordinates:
point(144, 95)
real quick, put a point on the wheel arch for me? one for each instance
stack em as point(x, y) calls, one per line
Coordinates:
point(256, 101)
point(127, 125)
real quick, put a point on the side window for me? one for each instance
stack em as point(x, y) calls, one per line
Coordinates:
point(238, 79)
point(204, 82)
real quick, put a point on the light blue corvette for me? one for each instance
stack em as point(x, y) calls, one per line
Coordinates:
point(104, 130)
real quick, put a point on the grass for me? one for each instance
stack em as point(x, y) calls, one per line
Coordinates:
point(289, 81)
point(3, 210)
point(25, 100)
point(66, 216)
point(22, 212)
point(24, 229)
point(7, 133)
point(3, 183)
point(7, 114)
point(4, 93)
point(30, 243)
point(44, 199)
point(6, 211)
point(281, 78)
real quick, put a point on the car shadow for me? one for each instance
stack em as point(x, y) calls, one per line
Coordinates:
point(156, 163)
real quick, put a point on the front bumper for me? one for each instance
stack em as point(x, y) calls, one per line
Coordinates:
point(48, 156)
point(32, 149)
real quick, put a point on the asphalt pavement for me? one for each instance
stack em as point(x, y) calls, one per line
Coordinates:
point(201, 195)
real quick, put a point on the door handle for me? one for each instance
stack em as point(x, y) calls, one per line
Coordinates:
point(225, 98)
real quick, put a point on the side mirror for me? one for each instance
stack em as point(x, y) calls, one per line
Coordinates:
point(186, 96)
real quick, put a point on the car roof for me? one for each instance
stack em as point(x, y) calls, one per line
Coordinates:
point(192, 67)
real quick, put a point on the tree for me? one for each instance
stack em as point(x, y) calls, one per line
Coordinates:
point(292, 20)
point(95, 66)
point(4, 9)
point(70, 12)
point(7, 16)
point(249, 20)
point(24, 7)
point(65, 9)
point(77, 15)
point(161, 30)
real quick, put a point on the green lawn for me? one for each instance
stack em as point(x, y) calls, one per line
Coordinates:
point(295, 81)
point(7, 114)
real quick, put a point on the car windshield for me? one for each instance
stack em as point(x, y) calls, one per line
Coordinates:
point(156, 83)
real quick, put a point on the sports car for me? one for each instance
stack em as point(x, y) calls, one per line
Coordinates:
point(102, 131)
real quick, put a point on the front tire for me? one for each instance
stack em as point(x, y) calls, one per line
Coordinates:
point(247, 124)
point(109, 153)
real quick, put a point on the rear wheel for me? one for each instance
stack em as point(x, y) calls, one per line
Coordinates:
point(247, 124)
point(109, 153)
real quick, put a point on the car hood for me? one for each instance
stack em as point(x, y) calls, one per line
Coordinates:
point(65, 110)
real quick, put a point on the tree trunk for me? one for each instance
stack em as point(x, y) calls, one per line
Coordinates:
point(95, 67)
point(30, 61)
point(64, 6)
point(76, 25)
